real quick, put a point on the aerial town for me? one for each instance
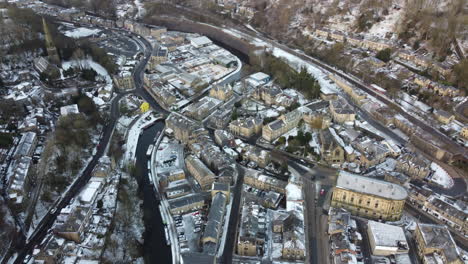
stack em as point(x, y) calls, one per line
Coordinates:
point(228, 131)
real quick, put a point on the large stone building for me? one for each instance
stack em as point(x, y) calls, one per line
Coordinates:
point(368, 197)
point(200, 172)
point(221, 92)
point(158, 56)
point(186, 203)
point(281, 125)
point(357, 95)
point(184, 129)
point(436, 245)
point(341, 111)
point(214, 224)
point(246, 127)
point(124, 80)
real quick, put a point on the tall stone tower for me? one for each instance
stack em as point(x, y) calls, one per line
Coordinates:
point(52, 53)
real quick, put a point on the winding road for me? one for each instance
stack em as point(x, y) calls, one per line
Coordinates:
point(48, 220)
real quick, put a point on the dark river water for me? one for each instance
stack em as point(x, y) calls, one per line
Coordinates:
point(155, 249)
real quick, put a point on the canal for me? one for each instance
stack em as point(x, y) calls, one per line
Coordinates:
point(155, 249)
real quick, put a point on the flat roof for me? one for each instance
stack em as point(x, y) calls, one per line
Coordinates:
point(370, 186)
point(386, 235)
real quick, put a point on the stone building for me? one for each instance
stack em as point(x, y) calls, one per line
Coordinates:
point(317, 120)
point(331, 151)
point(357, 95)
point(200, 172)
point(264, 182)
point(246, 127)
point(156, 31)
point(124, 80)
point(435, 245)
point(186, 203)
point(414, 165)
point(464, 132)
point(341, 111)
point(184, 129)
point(281, 125)
point(448, 213)
point(252, 230)
point(221, 92)
point(214, 224)
point(368, 197)
point(443, 116)
point(158, 56)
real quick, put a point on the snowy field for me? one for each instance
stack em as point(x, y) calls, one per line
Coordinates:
point(440, 176)
point(81, 32)
point(89, 63)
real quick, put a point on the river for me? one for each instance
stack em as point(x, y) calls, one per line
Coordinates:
point(155, 249)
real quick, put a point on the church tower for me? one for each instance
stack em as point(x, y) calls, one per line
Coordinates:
point(52, 53)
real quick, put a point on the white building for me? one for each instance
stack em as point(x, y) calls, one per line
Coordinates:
point(69, 109)
point(200, 42)
point(386, 239)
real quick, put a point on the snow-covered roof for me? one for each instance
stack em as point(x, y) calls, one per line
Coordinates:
point(370, 186)
point(386, 236)
point(200, 41)
point(69, 109)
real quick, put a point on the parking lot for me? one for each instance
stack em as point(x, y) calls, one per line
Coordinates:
point(119, 44)
point(189, 230)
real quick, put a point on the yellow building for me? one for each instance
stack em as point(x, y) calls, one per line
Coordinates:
point(422, 81)
point(435, 243)
point(368, 197)
point(144, 107)
point(337, 36)
point(414, 165)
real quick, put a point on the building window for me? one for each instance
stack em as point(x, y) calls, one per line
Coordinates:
point(344, 196)
point(360, 201)
point(377, 205)
point(352, 199)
